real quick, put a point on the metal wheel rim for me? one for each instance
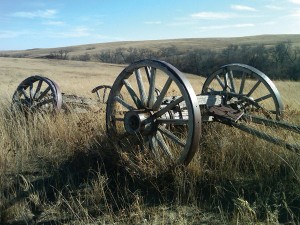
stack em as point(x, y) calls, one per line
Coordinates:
point(34, 99)
point(257, 74)
point(188, 94)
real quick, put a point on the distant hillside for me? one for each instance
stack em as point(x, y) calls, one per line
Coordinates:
point(276, 55)
point(180, 44)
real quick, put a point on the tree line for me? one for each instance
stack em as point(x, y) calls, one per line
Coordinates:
point(280, 61)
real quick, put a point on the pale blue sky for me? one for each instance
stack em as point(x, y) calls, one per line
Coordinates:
point(26, 24)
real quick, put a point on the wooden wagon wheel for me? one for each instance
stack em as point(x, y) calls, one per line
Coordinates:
point(150, 121)
point(246, 88)
point(37, 93)
point(102, 92)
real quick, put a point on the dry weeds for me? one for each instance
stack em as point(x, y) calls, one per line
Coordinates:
point(63, 169)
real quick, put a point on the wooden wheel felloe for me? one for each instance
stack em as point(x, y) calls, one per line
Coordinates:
point(37, 93)
point(245, 88)
point(166, 125)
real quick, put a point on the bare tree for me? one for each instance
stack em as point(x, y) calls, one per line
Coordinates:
point(60, 54)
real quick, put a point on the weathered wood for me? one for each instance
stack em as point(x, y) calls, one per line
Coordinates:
point(78, 104)
point(208, 100)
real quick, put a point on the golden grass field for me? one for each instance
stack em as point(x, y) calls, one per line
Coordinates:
point(63, 169)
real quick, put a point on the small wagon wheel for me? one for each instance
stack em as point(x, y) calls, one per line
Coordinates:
point(149, 120)
point(102, 92)
point(37, 93)
point(246, 88)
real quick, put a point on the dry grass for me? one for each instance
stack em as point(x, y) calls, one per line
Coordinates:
point(63, 169)
point(73, 77)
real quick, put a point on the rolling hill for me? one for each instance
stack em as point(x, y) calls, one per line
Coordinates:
point(180, 44)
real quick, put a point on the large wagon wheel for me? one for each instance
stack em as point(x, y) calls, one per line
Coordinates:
point(37, 93)
point(149, 121)
point(245, 88)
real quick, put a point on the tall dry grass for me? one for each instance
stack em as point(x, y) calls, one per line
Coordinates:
point(64, 169)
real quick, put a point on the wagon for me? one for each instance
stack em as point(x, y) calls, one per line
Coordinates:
point(152, 107)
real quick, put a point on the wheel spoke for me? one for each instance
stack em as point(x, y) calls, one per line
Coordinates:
point(172, 136)
point(104, 94)
point(31, 91)
point(132, 94)
point(103, 98)
point(153, 145)
point(164, 91)
point(226, 82)
point(148, 72)
point(152, 78)
point(44, 93)
point(168, 107)
point(123, 103)
point(163, 145)
point(98, 94)
point(242, 83)
point(221, 82)
point(254, 88)
point(38, 88)
point(25, 94)
point(231, 79)
point(263, 98)
point(141, 87)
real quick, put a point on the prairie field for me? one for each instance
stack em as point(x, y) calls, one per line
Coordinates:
point(63, 169)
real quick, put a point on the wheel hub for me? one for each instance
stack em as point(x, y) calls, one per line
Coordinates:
point(139, 121)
